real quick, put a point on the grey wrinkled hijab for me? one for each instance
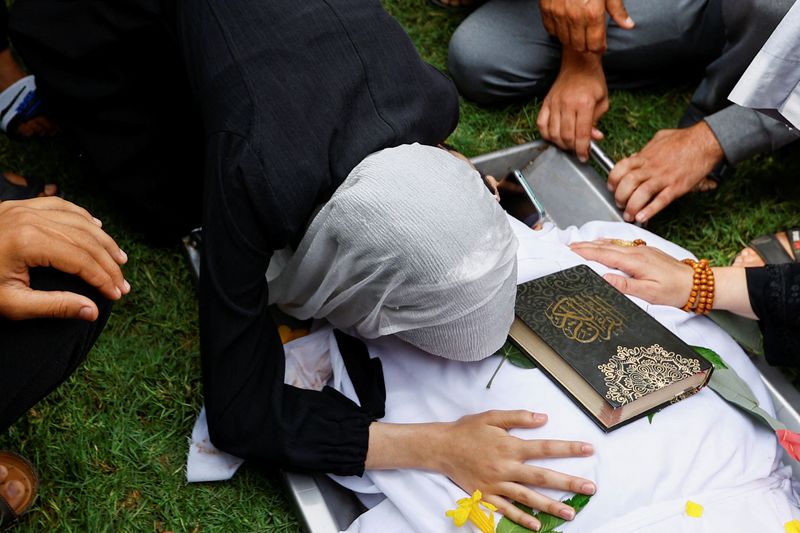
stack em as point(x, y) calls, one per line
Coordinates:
point(411, 244)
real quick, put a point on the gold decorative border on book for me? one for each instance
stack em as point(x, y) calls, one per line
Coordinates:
point(632, 373)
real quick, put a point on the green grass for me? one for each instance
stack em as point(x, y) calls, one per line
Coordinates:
point(110, 444)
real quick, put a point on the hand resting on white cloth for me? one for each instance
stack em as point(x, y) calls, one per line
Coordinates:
point(700, 449)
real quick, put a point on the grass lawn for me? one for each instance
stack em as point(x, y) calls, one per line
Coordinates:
point(110, 444)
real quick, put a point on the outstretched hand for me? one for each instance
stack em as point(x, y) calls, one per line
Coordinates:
point(482, 455)
point(51, 232)
point(655, 276)
point(581, 26)
point(672, 164)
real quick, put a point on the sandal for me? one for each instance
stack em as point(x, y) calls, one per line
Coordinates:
point(18, 470)
point(9, 190)
point(19, 103)
point(770, 249)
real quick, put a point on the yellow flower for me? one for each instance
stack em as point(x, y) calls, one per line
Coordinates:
point(695, 510)
point(470, 509)
point(792, 527)
point(288, 334)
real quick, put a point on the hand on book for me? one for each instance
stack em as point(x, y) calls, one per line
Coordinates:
point(655, 276)
point(661, 279)
point(480, 454)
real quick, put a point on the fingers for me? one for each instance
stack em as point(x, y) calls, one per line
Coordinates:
point(79, 222)
point(645, 189)
point(622, 169)
point(596, 37)
point(47, 248)
point(583, 132)
point(543, 120)
point(515, 419)
point(562, 31)
point(541, 477)
point(29, 304)
point(616, 9)
point(577, 37)
point(50, 203)
point(537, 449)
point(655, 206)
point(514, 513)
point(546, 8)
point(610, 255)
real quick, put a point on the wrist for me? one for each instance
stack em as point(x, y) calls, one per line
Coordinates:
point(707, 143)
point(732, 293)
point(583, 61)
point(393, 446)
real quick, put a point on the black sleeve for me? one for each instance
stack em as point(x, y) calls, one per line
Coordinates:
point(775, 298)
point(251, 412)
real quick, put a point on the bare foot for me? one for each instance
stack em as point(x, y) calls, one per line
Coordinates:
point(50, 189)
point(10, 72)
point(749, 258)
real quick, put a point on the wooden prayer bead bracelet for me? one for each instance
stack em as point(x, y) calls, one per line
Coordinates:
point(701, 297)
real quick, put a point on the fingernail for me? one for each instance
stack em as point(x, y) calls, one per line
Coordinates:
point(567, 514)
point(123, 256)
point(97, 221)
point(640, 218)
point(117, 293)
point(583, 158)
point(127, 286)
point(533, 524)
point(588, 488)
point(629, 21)
point(587, 449)
point(627, 217)
point(86, 313)
point(539, 417)
point(609, 187)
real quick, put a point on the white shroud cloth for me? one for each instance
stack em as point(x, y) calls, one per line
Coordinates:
point(700, 449)
point(772, 81)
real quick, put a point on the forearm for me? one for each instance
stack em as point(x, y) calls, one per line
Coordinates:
point(394, 446)
point(731, 291)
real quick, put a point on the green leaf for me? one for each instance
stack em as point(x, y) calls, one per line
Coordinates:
point(578, 502)
point(507, 526)
point(516, 357)
point(712, 357)
point(650, 416)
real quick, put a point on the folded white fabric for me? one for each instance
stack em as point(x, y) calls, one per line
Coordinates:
point(772, 81)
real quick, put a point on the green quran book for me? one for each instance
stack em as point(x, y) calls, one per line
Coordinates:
point(616, 361)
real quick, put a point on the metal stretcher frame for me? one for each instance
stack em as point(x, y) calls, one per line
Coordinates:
point(572, 193)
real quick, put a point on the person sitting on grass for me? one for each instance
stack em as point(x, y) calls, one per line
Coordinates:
point(507, 49)
point(59, 272)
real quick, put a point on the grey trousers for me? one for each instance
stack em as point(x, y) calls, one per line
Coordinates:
point(502, 52)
